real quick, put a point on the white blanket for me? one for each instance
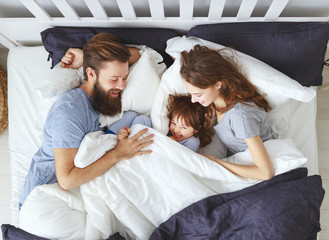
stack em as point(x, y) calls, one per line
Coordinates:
point(138, 194)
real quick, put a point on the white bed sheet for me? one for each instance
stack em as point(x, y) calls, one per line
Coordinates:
point(28, 66)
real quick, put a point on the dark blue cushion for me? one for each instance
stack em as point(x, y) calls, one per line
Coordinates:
point(10, 232)
point(296, 49)
point(57, 40)
point(285, 207)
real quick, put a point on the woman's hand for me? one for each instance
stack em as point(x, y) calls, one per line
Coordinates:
point(73, 58)
point(131, 147)
point(262, 169)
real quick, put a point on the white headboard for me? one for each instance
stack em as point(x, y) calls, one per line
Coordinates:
point(180, 15)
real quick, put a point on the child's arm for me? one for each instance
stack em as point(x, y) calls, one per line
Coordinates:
point(263, 168)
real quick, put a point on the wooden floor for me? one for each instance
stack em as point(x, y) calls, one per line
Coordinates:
point(323, 145)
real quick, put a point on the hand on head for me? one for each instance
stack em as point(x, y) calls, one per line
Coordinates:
point(73, 58)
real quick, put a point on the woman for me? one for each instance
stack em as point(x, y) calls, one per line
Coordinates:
point(215, 80)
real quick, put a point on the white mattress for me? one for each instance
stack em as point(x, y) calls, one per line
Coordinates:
point(28, 66)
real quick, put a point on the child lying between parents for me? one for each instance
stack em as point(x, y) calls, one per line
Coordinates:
point(190, 124)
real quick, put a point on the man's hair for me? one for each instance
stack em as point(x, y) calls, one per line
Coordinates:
point(103, 47)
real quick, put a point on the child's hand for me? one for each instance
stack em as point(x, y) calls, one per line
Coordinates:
point(124, 133)
point(172, 137)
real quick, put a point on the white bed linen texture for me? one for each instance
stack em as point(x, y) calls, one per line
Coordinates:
point(138, 194)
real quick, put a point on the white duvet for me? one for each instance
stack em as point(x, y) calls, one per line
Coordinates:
point(138, 194)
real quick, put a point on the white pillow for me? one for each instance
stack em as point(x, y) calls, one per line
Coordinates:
point(280, 89)
point(142, 84)
point(260, 73)
point(60, 80)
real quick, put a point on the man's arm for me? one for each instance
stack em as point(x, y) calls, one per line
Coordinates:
point(69, 176)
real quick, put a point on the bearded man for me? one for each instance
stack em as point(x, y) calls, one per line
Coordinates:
point(105, 61)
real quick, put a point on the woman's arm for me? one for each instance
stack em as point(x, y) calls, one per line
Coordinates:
point(263, 168)
point(73, 57)
point(69, 176)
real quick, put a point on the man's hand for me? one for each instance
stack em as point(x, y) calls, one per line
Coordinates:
point(73, 58)
point(131, 147)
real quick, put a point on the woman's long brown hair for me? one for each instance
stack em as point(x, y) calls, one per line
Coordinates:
point(203, 67)
point(194, 115)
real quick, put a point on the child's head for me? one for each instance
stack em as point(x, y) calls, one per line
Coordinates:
point(187, 119)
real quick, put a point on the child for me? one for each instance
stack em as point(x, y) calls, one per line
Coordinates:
point(129, 118)
point(190, 124)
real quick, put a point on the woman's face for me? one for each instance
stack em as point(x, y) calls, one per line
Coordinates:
point(179, 129)
point(203, 96)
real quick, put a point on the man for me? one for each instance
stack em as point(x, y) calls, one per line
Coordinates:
point(105, 62)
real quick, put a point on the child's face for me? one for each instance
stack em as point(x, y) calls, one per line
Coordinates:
point(180, 130)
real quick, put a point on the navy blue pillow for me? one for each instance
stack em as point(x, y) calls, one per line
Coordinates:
point(57, 40)
point(10, 232)
point(295, 49)
point(284, 207)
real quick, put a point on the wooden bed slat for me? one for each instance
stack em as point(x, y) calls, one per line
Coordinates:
point(36, 10)
point(157, 9)
point(216, 9)
point(127, 9)
point(66, 9)
point(275, 10)
point(245, 10)
point(186, 9)
point(96, 9)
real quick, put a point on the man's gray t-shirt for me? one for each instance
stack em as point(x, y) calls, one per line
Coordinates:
point(70, 118)
point(241, 122)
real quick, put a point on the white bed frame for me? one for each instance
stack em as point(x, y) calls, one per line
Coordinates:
point(25, 31)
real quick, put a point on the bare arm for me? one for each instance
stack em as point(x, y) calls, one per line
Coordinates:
point(69, 176)
point(73, 57)
point(263, 168)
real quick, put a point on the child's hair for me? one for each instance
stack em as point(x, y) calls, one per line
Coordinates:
point(194, 115)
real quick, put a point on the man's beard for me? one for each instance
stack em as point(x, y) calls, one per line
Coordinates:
point(104, 103)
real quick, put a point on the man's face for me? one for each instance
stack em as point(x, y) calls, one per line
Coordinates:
point(108, 87)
